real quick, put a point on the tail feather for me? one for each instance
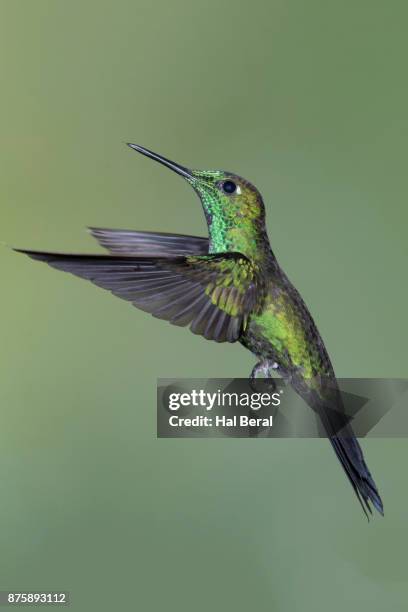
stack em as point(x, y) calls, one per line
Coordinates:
point(351, 457)
point(337, 427)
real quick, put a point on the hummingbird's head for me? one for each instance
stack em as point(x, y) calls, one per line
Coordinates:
point(231, 204)
point(227, 196)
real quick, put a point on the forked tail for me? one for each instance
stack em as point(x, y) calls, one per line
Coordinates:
point(328, 405)
point(351, 457)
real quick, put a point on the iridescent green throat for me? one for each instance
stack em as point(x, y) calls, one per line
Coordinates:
point(234, 223)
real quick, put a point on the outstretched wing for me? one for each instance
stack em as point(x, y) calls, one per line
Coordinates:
point(213, 294)
point(130, 242)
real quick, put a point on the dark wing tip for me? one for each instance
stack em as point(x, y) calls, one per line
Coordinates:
point(34, 254)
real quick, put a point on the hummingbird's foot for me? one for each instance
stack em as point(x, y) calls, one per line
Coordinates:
point(261, 381)
point(263, 370)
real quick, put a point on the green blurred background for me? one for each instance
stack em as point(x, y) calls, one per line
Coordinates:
point(308, 100)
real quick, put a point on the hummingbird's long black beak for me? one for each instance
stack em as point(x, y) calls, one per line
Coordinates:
point(162, 160)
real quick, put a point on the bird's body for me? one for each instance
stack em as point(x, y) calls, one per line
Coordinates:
point(228, 287)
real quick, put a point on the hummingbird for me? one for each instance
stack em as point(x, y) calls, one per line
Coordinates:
point(228, 287)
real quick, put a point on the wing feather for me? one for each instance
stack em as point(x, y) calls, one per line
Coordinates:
point(213, 294)
point(131, 242)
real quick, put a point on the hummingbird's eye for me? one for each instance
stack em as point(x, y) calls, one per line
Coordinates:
point(229, 187)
